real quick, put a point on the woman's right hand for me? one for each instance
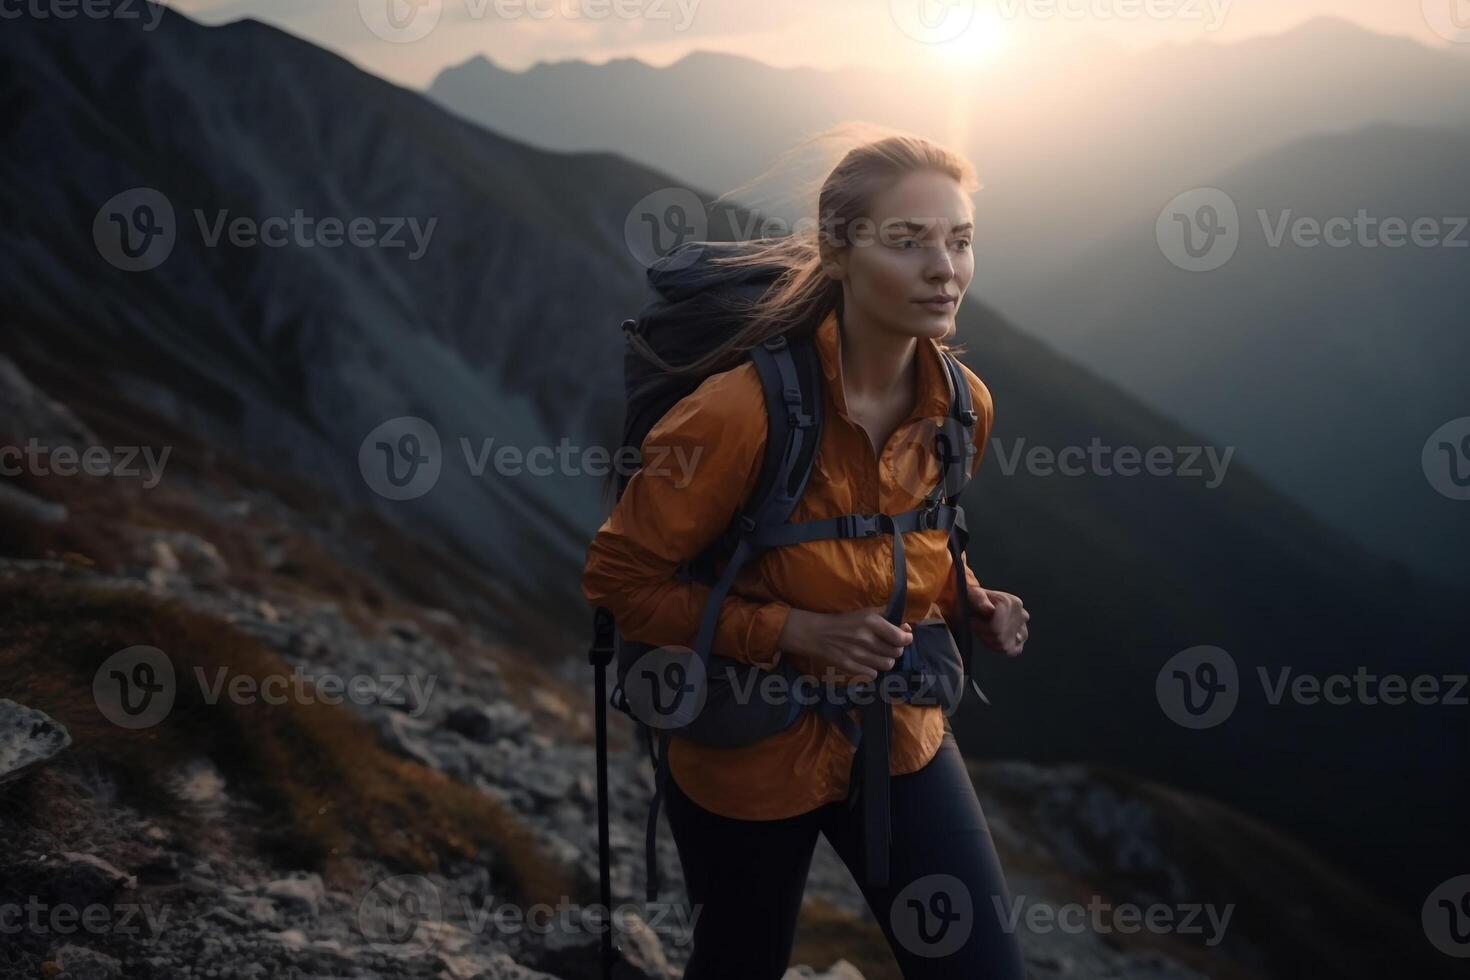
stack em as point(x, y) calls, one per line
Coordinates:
point(858, 643)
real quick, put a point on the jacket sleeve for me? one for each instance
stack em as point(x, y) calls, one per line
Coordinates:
point(699, 463)
point(984, 417)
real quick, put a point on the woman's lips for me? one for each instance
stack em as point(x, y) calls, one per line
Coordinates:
point(939, 306)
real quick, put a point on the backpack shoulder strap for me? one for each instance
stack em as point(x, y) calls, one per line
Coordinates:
point(790, 374)
point(955, 441)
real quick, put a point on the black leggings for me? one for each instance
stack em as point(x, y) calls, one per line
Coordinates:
point(745, 880)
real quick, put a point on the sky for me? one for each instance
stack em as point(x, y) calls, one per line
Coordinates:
point(410, 41)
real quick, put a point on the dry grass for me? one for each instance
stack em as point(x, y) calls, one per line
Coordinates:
point(333, 791)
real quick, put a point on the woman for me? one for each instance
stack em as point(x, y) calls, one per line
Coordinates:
point(878, 288)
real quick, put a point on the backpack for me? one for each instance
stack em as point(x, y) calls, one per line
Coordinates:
point(699, 305)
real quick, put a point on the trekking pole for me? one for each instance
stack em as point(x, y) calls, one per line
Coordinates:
point(601, 654)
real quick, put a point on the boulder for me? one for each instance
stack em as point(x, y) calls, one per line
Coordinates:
point(28, 738)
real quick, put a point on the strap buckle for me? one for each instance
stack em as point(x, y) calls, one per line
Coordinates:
point(928, 518)
point(858, 525)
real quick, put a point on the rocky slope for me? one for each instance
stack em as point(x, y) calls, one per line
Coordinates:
point(210, 866)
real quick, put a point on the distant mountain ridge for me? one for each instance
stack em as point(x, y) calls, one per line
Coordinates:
point(1067, 152)
point(1328, 365)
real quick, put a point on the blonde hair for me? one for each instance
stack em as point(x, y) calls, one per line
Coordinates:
point(803, 294)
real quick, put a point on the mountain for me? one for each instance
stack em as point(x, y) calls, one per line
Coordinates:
point(298, 353)
point(1070, 143)
point(1327, 365)
point(503, 325)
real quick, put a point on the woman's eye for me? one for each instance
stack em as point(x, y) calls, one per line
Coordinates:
point(907, 242)
point(965, 242)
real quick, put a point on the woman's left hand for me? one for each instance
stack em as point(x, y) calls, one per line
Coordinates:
point(1001, 623)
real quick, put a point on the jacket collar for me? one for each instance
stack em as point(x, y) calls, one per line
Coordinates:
point(933, 396)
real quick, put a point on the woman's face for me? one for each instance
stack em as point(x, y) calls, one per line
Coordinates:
point(914, 246)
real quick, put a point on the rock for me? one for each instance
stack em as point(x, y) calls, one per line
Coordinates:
point(297, 894)
point(164, 559)
point(81, 963)
point(200, 782)
point(234, 919)
point(31, 507)
point(26, 411)
point(405, 735)
point(546, 782)
point(115, 876)
point(172, 552)
point(441, 616)
point(485, 724)
point(163, 866)
point(404, 629)
point(69, 878)
point(551, 703)
point(290, 938)
point(27, 738)
point(578, 956)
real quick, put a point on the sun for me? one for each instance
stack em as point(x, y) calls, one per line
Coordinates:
point(985, 40)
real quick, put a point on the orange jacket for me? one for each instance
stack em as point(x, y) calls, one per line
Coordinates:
point(700, 463)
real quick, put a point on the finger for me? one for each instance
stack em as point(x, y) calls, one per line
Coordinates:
point(982, 601)
point(884, 642)
point(859, 670)
point(877, 658)
point(887, 633)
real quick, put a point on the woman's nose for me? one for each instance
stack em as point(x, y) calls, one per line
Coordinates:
point(940, 268)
